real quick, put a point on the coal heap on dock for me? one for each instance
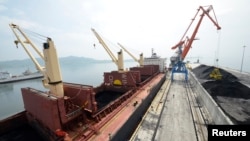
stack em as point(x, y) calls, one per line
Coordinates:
point(229, 93)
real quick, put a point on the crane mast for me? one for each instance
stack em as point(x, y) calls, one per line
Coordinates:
point(119, 61)
point(140, 60)
point(51, 72)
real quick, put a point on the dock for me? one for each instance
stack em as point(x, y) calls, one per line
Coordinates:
point(173, 115)
point(181, 111)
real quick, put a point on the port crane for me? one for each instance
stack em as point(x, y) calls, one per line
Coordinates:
point(119, 61)
point(184, 45)
point(140, 60)
point(51, 72)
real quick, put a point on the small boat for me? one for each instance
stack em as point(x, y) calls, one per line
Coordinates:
point(4, 75)
point(7, 77)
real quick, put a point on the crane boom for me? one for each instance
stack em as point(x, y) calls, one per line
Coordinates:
point(119, 61)
point(51, 71)
point(140, 60)
point(190, 41)
point(27, 40)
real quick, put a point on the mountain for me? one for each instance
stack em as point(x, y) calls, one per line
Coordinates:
point(73, 60)
point(64, 61)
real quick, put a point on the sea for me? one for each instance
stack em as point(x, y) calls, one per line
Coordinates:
point(73, 69)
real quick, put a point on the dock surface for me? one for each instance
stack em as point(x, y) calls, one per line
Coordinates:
point(178, 119)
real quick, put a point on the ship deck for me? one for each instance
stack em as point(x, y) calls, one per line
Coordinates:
point(110, 129)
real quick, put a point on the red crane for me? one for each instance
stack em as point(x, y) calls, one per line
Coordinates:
point(185, 44)
point(190, 41)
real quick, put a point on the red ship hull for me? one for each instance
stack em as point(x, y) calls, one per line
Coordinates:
point(111, 110)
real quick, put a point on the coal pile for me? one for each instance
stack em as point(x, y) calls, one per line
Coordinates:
point(203, 71)
point(105, 97)
point(23, 133)
point(232, 96)
point(227, 88)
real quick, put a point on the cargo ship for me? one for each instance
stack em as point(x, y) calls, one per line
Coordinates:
point(78, 112)
point(7, 77)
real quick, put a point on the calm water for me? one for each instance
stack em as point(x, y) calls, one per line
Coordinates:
point(86, 73)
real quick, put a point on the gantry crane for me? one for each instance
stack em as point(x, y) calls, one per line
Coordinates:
point(185, 44)
point(119, 61)
point(51, 72)
point(140, 60)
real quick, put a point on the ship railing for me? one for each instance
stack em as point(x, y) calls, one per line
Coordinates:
point(74, 113)
point(148, 79)
point(78, 85)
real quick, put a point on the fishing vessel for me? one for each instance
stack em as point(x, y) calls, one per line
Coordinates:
point(7, 77)
point(69, 111)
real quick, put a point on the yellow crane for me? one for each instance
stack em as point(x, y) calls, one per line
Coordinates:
point(51, 72)
point(119, 61)
point(140, 60)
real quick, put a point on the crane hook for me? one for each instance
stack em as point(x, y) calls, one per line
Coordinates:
point(16, 42)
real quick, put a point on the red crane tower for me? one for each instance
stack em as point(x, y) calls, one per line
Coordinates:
point(178, 66)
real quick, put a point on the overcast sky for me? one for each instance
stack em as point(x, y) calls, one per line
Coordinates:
point(139, 25)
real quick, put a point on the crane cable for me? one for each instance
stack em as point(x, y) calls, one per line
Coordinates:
point(35, 36)
point(217, 52)
point(111, 45)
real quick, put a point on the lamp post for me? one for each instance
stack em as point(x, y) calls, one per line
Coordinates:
point(242, 58)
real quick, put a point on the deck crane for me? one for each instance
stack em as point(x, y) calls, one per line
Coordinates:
point(51, 72)
point(119, 61)
point(140, 60)
point(185, 44)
